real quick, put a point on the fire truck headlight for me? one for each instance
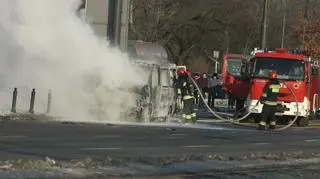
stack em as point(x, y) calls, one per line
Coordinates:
point(296, 86)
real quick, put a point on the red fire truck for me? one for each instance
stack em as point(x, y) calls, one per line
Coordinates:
point(298, 72)
point(234, 85)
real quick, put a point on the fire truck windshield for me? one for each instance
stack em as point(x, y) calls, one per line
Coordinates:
point(234, 66)
point(287, 69)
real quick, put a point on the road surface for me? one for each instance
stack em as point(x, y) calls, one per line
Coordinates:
point(34, 139)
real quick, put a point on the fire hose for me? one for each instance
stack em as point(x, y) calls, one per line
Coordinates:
point(237, 120)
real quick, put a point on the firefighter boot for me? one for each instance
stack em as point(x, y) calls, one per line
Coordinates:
point(194, 117)
point(272, 125)
point(262, 125)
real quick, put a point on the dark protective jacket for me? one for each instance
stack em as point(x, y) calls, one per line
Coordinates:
point(184, 85)
point(271, 93)
point(203, 82)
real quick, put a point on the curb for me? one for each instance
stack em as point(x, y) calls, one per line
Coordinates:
point(193, 167)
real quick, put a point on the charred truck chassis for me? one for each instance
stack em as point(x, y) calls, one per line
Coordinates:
point(155, 100)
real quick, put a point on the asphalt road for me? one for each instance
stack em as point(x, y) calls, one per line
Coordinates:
point(307, 171)
point(32, 139)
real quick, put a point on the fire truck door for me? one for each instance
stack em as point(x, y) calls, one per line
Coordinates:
point(314, 87)
point(318, 88)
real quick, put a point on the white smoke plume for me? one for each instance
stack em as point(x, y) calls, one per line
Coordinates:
point(45, 45)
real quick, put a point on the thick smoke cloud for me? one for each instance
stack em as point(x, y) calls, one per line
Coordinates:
point(44, 45)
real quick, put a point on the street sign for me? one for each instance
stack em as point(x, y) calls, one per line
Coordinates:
point(216, 54)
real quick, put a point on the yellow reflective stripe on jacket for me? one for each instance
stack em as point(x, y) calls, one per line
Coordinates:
point(264, 95)
point(271, 103)
point(272, 123)
point(184, 116)
point(189, 116)
point(187, 97)
point(262, 123)
point(275, 88)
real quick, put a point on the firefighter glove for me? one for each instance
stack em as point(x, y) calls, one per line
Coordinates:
point(179, 91)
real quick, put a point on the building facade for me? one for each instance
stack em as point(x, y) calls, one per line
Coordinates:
point(95, 12)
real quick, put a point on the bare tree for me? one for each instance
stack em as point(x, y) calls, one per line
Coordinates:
point(176, 24)
point(189, 28)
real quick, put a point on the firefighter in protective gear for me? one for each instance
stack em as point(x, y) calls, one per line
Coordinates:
point(185, 88)
point(269, 100)
point(196, 92)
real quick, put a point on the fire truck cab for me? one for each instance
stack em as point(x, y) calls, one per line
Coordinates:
point(295, 71)
point(234, 84)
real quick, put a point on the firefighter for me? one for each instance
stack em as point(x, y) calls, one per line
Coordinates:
point(269, 100)
point(185, 88)
point(196, 92)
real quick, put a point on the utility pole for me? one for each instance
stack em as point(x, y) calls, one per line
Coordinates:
point(284, 18)
point(305, 18)
point(264, 24)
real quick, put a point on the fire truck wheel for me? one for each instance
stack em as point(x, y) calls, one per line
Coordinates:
point(303, 121)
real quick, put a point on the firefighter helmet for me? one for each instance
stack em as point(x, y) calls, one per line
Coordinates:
point(273, 74)
point(181, 71)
